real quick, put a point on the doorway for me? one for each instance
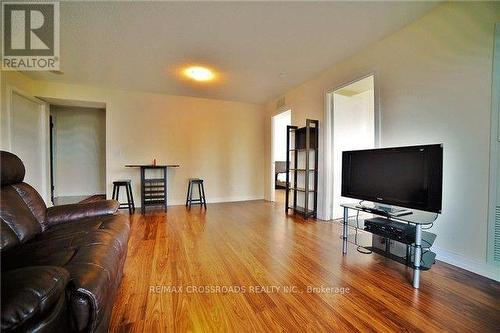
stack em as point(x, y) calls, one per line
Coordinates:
point(353, 128)
point(279, 124)
point(78, 153)
point(28, 120)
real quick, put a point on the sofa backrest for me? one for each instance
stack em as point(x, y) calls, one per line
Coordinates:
point(23, 212)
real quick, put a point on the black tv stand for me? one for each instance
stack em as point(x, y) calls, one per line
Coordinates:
point(418, 257)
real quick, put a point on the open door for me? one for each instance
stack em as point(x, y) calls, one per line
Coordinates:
point(28, 137)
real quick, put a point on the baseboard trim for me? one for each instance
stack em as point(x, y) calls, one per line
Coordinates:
point(482, 268)
point(215, 200)
point(220, 200)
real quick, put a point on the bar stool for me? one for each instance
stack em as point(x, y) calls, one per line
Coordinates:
point(201, 193)
point(130, 198)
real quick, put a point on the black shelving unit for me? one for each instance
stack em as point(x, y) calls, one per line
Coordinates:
point(300, 143)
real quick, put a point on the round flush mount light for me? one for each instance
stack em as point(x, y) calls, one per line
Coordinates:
point(199, 73)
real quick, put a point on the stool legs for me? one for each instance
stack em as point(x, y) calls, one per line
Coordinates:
point(201, 194)
point(188, 196)
point(130, 198)
point(204, 198)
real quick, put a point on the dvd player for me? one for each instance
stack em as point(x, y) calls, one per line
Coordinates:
point(395, 213)
point(398, 231)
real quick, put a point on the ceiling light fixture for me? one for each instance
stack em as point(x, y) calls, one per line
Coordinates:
point(199, 73)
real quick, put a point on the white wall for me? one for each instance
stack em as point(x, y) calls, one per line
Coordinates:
point(353, 128)
point(220, 141)
point(80, 150)
point(281, 121)
point(433, 85)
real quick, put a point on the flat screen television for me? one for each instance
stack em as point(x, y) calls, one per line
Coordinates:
point(409, 177)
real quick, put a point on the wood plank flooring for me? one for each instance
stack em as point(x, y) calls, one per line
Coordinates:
point(176, 261)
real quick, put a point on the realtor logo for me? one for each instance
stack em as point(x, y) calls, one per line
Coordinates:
point(30, 36)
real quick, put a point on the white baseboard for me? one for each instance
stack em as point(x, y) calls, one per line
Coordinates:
point(78, 195)
point(214, 200)
point(455, 259)
point(220, 200)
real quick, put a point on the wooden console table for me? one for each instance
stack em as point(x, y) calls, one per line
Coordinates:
point(153, 190)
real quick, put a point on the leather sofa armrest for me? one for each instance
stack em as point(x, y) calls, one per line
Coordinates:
point(73, 212)
point(29, 294)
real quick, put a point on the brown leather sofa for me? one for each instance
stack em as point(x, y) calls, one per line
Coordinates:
point(61, 266)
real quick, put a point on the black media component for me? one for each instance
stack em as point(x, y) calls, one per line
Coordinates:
point(401, 232)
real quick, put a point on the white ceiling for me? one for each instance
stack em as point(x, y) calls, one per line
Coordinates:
point(259, 49)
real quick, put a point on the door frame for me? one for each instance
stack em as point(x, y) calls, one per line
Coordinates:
point(51, 157)
point(279, 111)
point(325, 203)
point(494, 146)
point(43, 135)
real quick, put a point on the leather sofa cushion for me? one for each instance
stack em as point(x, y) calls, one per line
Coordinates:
point(32, 294)
point(17, 217)
point(68, 213)
point(34, 202)
point(59, 245)
point(8, 237)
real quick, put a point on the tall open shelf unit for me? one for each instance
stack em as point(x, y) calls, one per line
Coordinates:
point(301, 195)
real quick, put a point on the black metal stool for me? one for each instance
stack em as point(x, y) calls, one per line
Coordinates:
point(201, 192)
point(130, 198)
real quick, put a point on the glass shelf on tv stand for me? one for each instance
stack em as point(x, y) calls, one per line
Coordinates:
point(418, 248)
point(358, 224)
point(416, 216)
point(362, 238)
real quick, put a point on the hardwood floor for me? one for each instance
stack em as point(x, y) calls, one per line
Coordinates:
point(250, 244)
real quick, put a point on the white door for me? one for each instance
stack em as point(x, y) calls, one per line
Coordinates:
point(28, 138)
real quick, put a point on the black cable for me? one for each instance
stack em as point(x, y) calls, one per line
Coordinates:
point(366, 251)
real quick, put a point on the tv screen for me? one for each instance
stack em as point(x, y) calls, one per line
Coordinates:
point(408, 177)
